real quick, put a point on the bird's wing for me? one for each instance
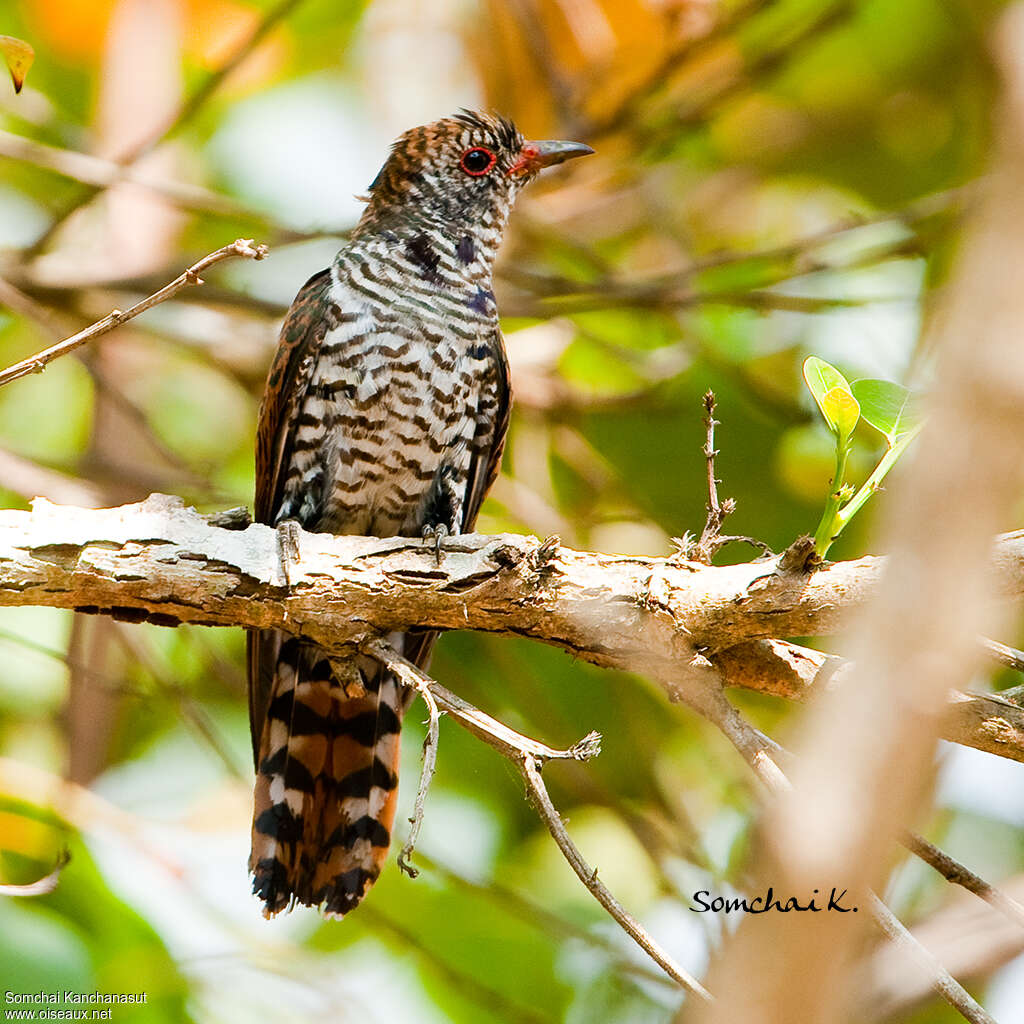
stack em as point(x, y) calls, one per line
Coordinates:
point(301, 334)
point(490, 439)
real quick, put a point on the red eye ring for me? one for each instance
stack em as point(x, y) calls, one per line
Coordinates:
point(477, 161)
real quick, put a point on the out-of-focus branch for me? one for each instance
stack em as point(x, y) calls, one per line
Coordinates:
point(734, 75)
point(28, 478)
point(676, 60)
point(191, 106)
point(985, 721)
point(678, 622)
point(38, 362)
point(1008, 656)
point(99, 173)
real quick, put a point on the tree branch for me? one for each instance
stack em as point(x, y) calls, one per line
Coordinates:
point(38, 362)
point(688, 626)
point(986, 721)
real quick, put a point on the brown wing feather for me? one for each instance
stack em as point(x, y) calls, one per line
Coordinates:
point(301, 333)
point(484, 466)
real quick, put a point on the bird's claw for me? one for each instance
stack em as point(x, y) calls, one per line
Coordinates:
point(439, 533)
point(287, 547)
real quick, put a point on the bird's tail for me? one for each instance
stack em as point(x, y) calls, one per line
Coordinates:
point(326, 779)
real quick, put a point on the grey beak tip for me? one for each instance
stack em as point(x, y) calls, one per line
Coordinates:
point(557, 151)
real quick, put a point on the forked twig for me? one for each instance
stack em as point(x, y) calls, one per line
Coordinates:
point(528, 755)
point(38, 362)
point(711, 538)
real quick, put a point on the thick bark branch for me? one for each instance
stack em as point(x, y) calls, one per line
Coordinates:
point(160, 562)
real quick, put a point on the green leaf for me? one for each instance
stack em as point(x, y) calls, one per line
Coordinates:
point(888, 407)
point(835, 399)
point(18, 56)
point(841, 410)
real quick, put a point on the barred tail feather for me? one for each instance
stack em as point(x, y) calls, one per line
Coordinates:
point(326, 782)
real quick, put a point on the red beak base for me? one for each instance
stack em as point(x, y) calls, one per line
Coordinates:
point(536, 155)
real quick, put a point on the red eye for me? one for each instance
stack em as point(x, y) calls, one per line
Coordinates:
point(477, 161)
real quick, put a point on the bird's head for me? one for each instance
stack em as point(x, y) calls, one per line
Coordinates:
point(459, 174)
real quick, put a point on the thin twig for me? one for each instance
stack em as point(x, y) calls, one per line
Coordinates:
point(711, 539)
point(528, 755)
point(760, 753)
point(955, 872)
point(942, 981)
point(388, 657)
point(38, 362)
point(530, 770)
point(546, 921)
point(42, 886)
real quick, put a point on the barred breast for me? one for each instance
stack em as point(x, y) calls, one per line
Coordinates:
point(401, 397)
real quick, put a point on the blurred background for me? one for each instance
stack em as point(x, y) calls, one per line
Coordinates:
point(774, 178)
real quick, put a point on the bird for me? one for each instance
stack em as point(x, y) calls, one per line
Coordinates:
point(384, 414)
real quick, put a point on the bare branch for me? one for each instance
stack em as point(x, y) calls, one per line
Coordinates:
point(528, 755)
point(966, 935)
point(986, 721)
point(1003, 654)
point(38, 362)
point(942, 981)
point(762, 754)
point(711, 538)
point(955, 872)
point(100, 173)
point(540, 799)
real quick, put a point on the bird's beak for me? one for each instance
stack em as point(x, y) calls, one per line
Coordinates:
point(535, 155)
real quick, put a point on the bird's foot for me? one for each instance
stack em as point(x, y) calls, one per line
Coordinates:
point(287, 547)
point(438, 532)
